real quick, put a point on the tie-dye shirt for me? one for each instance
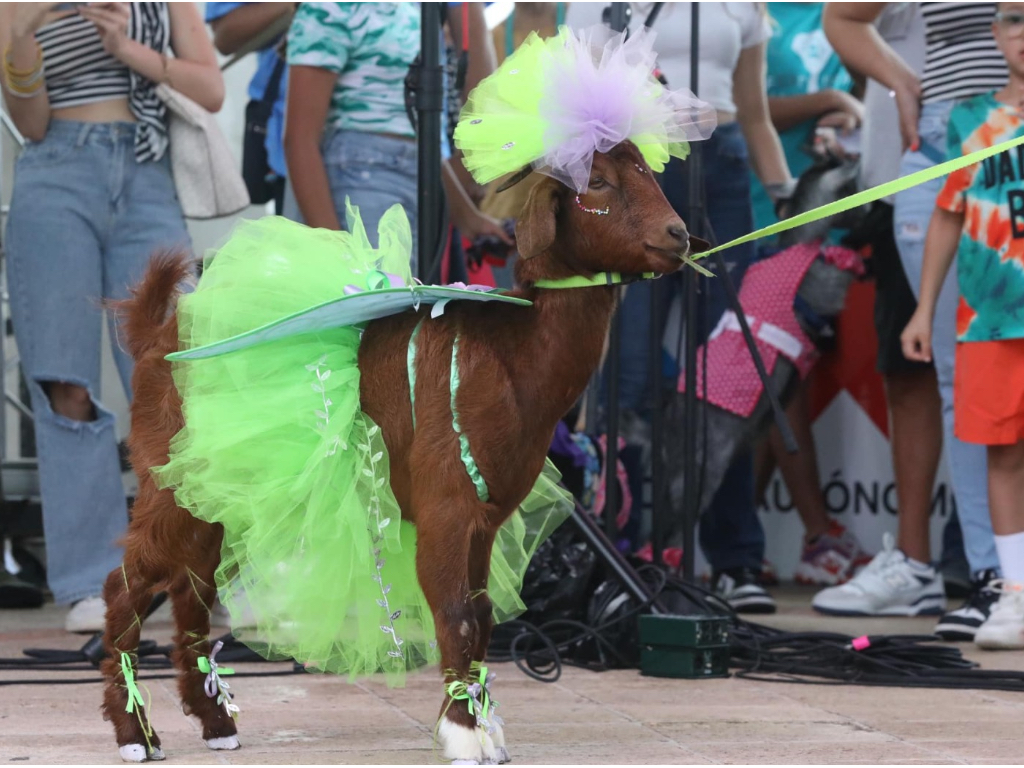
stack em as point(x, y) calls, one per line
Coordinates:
point(370, 46)
point(990, 195)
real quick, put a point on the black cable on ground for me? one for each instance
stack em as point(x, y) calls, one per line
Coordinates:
point(758, 652)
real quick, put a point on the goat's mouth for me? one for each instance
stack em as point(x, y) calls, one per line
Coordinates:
point(668, 259)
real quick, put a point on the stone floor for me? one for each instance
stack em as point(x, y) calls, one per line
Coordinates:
point(584, 718)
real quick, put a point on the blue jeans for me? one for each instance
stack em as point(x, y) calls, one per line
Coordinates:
point(375, 172)
point(731, 534)
point(968, 467)
point(85, 218)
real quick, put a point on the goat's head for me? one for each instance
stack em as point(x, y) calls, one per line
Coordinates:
point(622, 223)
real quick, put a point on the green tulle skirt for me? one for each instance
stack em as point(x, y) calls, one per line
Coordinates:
point(317, 563)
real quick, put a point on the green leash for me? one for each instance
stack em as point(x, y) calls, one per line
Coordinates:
point(870, 195)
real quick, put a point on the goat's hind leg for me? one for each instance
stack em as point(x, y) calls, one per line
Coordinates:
point(192, 594)
point(128, 594)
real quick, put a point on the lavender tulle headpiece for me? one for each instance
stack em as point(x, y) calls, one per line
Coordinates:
point(555, 102)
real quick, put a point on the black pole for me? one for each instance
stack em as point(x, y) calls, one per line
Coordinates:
point(690, 278)
point(429, 102)
point(618, 20)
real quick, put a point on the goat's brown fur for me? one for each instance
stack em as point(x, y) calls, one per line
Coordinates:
point(520, 368)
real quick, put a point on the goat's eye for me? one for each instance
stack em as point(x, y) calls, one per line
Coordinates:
point(598, 183)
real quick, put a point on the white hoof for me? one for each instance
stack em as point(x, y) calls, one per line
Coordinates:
point(466, 746)
point(133, 753)
point(157, 754)
point(223, 742)
point(498, 737)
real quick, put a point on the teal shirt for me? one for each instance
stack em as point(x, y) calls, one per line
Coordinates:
point(800, 62)
point(370, 46)
point(990, 196)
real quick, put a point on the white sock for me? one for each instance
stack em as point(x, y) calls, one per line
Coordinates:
point(1011, 556)
point(917, 565)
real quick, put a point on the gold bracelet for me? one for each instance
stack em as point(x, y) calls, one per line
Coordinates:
point(13, 72)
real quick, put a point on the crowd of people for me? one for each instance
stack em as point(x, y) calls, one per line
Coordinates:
point(902, 86)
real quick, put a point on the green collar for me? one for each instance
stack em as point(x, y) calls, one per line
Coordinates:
point(601, 278)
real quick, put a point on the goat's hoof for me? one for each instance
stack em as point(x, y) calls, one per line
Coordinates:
point(223, 742)
point(466, 746)
point(133, 753)
point(503, 755)
point(157, 754)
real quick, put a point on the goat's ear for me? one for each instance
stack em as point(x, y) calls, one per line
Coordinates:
point(535, 229)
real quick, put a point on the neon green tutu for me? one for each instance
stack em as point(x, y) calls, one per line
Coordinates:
point(276, 449)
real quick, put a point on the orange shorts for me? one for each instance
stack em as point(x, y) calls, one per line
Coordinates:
point(988, 392)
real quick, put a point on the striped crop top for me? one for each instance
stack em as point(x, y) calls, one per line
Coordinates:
point(77, 68)
point(79, 71)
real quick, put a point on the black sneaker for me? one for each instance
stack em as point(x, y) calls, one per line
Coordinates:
point(17, 593)
point(741, 589)
point(961, 624)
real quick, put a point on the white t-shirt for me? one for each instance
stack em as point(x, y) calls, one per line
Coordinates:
point(725, 30)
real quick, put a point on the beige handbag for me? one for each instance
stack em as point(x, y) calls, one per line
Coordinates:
point(205, 173)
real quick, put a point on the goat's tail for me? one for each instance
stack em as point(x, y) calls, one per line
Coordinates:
point(152, 300)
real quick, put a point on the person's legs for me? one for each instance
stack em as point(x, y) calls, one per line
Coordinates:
point(800, 470)
point(731, 534)
point(60, 203)
point(967, 463)
point(915, 435)
point(990, 412)
point(1006, 499)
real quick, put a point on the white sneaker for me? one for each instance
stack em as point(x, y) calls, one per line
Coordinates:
point(86, 616)
point(1004, 629)
point(887, 586)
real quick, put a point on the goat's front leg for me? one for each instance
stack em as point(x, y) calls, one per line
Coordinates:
point(479, 570)
point(127, 594)
point(442, 559)
point(192, 594)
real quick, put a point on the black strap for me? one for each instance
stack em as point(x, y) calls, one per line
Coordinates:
point(274, 84)
point(653, 15)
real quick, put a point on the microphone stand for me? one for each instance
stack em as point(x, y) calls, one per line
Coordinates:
point(429, 103)
point(696, 218)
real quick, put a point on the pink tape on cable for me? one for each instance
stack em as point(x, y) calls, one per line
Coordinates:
point(860, 643)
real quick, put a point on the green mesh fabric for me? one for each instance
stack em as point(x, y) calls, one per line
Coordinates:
point(276, 449)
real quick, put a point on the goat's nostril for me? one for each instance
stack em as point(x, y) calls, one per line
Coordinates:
point(678, 233)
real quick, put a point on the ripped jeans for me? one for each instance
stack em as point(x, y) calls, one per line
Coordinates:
point(84, 219)
point(968, 464)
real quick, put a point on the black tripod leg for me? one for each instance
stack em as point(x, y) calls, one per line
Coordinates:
point(605, 550)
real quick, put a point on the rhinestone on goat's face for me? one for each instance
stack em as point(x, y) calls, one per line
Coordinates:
point(640, 168)
point(596, 211)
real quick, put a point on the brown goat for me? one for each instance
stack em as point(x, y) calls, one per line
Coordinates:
point(521, 369)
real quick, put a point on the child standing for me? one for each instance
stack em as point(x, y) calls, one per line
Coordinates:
point(979, 216)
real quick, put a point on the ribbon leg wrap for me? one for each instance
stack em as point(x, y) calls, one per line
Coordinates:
point(215, 685)
point(477, 696)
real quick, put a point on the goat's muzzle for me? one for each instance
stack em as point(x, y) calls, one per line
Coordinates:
point(673, 241)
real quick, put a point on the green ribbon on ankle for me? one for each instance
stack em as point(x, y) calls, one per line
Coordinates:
point(134, 695)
